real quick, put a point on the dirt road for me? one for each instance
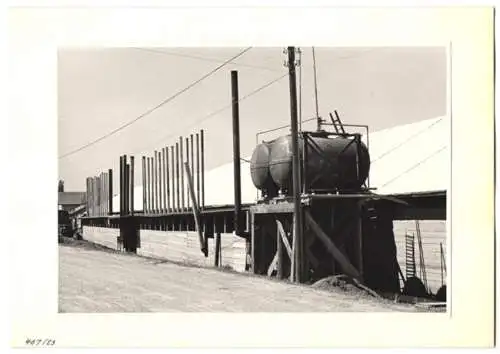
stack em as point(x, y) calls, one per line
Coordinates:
point(97, 281)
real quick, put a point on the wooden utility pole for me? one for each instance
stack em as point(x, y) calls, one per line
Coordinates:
point(236, 152)
point(297, 232)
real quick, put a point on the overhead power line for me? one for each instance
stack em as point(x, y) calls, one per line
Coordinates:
point(414, 166)
point(212, 60)
point(149, 111)
point(407, 140)
point(204, 118)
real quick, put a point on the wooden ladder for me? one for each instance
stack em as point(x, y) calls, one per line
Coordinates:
point(411, 268)
point(337, 124)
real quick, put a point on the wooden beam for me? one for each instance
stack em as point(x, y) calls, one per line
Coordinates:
point(252, 245)
point(272, 266)
point(348, 268)
point(196, 210)
point(281, 207)
point(281, 232)
point(358, 238)
point(293, 263)
point(217, 257)
point(279, 252)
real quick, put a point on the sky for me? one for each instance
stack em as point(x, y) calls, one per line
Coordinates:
point(102, 89)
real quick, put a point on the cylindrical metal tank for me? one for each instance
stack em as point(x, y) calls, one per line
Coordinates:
point(259, 167)
point(332, 163)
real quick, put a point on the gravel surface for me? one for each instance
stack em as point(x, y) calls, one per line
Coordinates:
point(94, 279)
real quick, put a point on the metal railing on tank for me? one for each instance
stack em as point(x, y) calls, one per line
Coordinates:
point(308, 143)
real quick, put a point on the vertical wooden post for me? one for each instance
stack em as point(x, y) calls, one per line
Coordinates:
point(90, 196)
point(236, 153)
point(94, 196)
point(100, 193)
point(155, 182)
point(94, 188)
point(253, 268)
point(104, 194)
point(160, 181)
point(132, 184)
point(358, 238)
point(181, 150)
point(293, 262)
point(121, 186)
point(104, 200)
point(279, 250)
point(152, 184)
point(97, 195)
point(441, 262)
point(305, 152)
point(198, 167)
point(164, 162)
point(94, 193)
point(98, 182)
point(191, 138)
point(87, 194)
point(127, 187)
point(177, 173)
point(147, 186)
point(217, 261)
point(202, 153)
point(334, 218)
point(167, 172)
point(295, 167)
point(188, 162)
point(110, 190)
point(144, 206)
point(87, 191)
point(172, 154)
point(99, 186)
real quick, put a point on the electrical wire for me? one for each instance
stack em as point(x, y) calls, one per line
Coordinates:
point(407, 140)
point(212, 60)
point(149, 111)
point(414, 166)
point(204, 118)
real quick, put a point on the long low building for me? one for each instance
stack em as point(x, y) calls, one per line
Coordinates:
point(409, 158)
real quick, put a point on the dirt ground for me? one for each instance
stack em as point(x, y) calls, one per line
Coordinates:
point(92, 279)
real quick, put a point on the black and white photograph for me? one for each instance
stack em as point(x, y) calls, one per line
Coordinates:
point(200, 187)
point(251, 177)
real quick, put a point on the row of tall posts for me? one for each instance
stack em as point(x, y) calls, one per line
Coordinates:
point(99, 193)
point(165, 184)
